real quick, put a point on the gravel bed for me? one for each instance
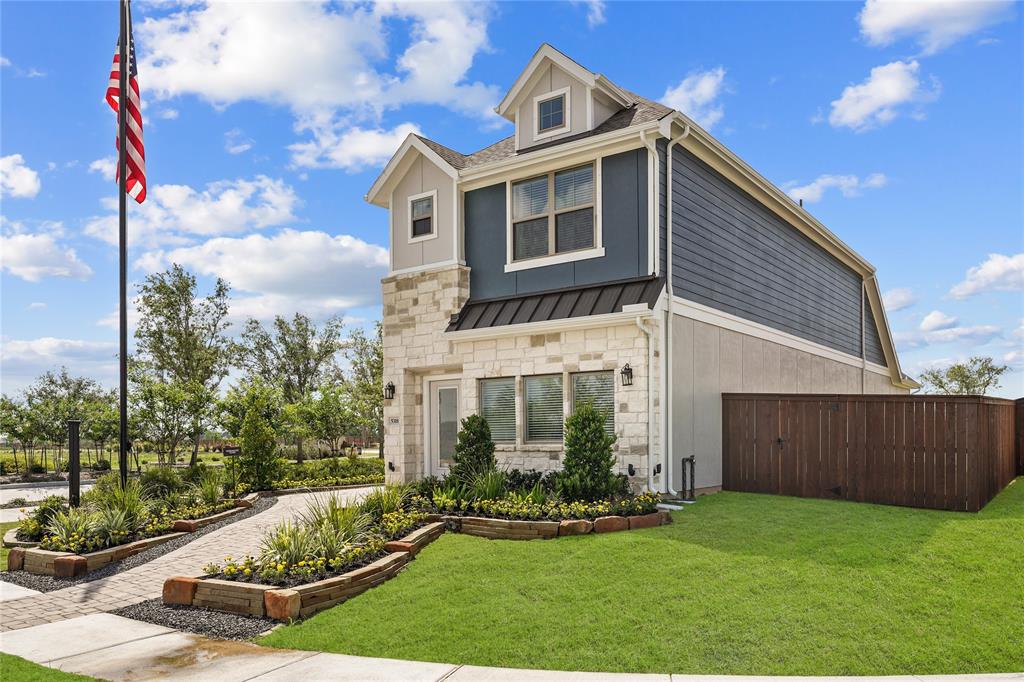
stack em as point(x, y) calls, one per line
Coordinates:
point(198, 620)
point(46, 583)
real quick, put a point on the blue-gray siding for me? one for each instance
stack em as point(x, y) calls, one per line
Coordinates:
point(624, 234)
point(872, 341)
point(734, 254)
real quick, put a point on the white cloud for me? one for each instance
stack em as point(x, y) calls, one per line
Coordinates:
point(177, 214)
point(235, 142)
point(848, 185)
point(22, 360)
point(934, 24)
point(898, 299)
point(936, 320)
point(352, 149)
point(107, 167)
point(36, 305)
point(997, 273)
point(974, 335)
point(595, 11)
point(17, 179)
point(229, 52)
point(167, 114)
point(36, 256)
point(882, 97)
point(4, 61)
point(697, 96)
point(309, 271)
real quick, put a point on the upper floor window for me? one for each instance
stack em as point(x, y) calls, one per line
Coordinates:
point(542, 227)
point(421, 216)
point(551, 114)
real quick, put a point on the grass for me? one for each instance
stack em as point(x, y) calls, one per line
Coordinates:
point(18, 669)
point(738, 584)
point(4, 551)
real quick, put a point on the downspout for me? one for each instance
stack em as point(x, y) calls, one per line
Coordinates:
point(863, 339)
point(650, 400)
point(656, 248)
point(668, 428)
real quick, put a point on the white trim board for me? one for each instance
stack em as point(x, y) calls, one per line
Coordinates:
point(426, 268)
point(433, 216)
point(566, 127)
point(702, 313)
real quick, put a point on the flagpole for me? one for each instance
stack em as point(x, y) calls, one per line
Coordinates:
point(122, 170)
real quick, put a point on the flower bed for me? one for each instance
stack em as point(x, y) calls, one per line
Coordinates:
point(523, 508)
point(238, 594)
point(327, 482)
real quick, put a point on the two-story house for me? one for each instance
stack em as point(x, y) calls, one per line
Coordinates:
point(560, 264)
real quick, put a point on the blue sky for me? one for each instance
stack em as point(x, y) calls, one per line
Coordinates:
point(901, 126)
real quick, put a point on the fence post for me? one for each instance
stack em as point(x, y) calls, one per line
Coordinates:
point(74, 463)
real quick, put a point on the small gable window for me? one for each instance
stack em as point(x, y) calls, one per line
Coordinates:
point(551, 113)
point(421, 216)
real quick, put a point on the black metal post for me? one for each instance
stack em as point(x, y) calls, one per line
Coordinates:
point(74, 463)
point(122, 169)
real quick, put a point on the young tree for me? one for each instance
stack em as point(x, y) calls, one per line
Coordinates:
point(53, 399)
point(977, 376)
point(17, 427)
point(232, 408)
point(295, 355)
point(330, 417)
point(365, 385)
point(589, 462)
point(474, 450)
point(257, 464)
point(164, 411)
point(182, 339)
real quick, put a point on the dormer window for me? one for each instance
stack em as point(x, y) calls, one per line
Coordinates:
point(551, 113)
point(421, 216)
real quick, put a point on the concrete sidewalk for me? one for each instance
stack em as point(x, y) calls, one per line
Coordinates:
point(115, 648)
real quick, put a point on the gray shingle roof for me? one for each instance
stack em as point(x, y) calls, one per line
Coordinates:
point(559, 304)
point(642, 111)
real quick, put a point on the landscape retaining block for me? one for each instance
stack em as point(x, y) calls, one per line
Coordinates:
point(645, 521)
point(609, 524)
point(70, 566)
point(282, 604)
point(575, 527)
point(180, 590)
point(16, 559)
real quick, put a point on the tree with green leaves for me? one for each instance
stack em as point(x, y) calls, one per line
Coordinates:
point(977, 376)
point(257, 464)
point(16, 425)
point(293, 355)
point(53, 399)
point(474, 450)
point(330, 417)
point(365, 385)
point(182, 339)
point(589, 461)
point(232, 408)
point(164, 411)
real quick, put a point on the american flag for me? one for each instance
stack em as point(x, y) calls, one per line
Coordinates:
point(135, 183)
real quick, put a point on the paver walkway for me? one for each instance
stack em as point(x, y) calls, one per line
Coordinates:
point(146, 581)
point(114, 648)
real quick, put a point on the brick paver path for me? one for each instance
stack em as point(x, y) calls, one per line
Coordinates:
point(146, 581)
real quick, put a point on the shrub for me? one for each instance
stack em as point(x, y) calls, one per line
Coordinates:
point(71, 531)
point(588, 460)
point(516, 479)
point(286, 544)
point(131, 500)
point(101, 465)
point(257, 465)
point(425, 487)
point(112, 526)
point(386, 500)
point(474, 450)
point(162, 482)
point(329, 517)
point(488, 486)
point(36, 468)
point(33, 526)
point(208, 488)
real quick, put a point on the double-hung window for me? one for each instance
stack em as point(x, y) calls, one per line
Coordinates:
point(597, 388)
point(421, 216)
point(498, 407)
point(551, 113)
point(554, 213)
point(544, 408)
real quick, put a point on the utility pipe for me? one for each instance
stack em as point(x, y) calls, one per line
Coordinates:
point(650, 400)
point(666, 351)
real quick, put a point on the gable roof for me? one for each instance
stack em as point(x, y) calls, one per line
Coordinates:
point(548, 53)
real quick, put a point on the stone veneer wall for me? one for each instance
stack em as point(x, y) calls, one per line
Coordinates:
point(417, 307)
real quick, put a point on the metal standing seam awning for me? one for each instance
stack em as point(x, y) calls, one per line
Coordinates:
point(557, 304)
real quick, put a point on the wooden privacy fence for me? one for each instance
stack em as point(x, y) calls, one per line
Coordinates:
point(938, 452)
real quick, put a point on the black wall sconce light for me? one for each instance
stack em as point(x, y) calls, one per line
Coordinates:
point(627, 375)
point(631, 469)
point(389, 391)
point(391, 466)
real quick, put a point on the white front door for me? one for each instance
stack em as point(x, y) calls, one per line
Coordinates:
point(444, 424)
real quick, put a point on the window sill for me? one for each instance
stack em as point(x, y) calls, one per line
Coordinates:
point(529, 447)
point(423, 238)
point(558, 258)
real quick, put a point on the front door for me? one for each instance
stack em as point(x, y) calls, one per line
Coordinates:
point(444, 424)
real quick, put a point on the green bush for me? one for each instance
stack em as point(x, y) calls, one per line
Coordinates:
point(474, 450)
point(386, 500)
point(489, 485)
point(33, 527)
point(258, 465)
point(162, 482)
point(589, 462)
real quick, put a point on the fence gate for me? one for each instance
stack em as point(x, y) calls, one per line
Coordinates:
point(939, 452)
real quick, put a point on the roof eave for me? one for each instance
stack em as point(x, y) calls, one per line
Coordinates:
point(376, 193)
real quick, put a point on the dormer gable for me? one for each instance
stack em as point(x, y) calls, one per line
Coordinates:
point(555, 98)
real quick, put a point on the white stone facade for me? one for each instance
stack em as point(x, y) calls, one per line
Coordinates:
point(417, 308)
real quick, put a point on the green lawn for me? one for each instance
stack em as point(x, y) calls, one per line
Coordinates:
point(15, 669)
point(739, 584)
point(4, 551)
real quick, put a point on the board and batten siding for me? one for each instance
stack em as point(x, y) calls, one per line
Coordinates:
point(624, 236)
point(734, 254)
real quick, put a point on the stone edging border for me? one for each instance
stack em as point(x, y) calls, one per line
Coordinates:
point(28, 557)
point(284, 604)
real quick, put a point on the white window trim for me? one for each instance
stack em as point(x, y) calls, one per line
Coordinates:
point(433, 216)
point(597, 251)
point(566, 126)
